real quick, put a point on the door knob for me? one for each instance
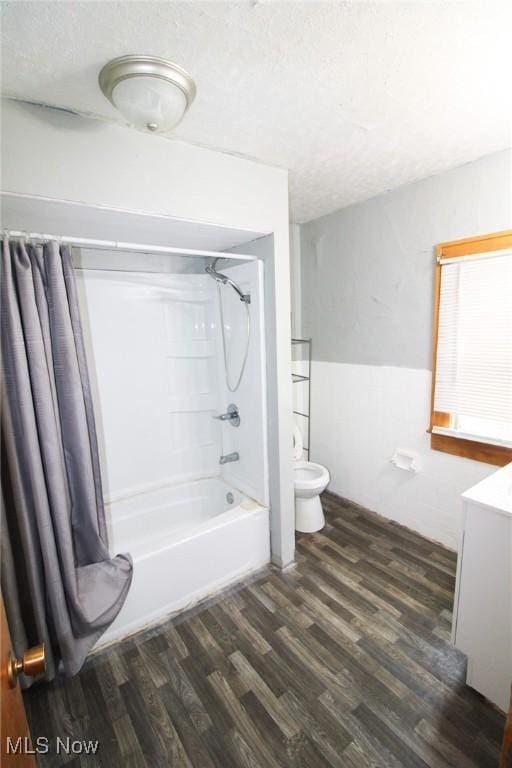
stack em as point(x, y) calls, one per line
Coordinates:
point(32, 663)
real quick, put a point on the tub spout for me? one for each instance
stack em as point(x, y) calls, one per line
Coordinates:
point(229, 457)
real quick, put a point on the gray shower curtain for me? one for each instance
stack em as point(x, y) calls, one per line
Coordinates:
point(59, 583)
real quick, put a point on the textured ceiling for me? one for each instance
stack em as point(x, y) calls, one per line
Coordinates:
point(354, 98)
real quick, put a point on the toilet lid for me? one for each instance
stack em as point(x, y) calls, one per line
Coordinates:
point(298, 445)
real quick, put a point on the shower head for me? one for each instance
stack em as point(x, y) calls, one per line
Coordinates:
point(246, 299)
point(224, 279)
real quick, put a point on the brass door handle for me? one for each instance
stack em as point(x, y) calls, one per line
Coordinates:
point(32, 663)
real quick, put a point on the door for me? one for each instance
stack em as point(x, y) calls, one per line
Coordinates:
point(13, 721)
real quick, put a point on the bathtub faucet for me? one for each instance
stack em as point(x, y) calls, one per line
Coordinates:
point(229, 457)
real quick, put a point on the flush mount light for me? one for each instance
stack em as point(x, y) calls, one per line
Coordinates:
point(150, 92)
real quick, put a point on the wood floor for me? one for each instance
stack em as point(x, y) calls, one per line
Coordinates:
point(343, 662)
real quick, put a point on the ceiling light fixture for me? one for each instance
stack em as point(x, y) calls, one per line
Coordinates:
point(150, 92)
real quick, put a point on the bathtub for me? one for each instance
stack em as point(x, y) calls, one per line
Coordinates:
point(187, 542)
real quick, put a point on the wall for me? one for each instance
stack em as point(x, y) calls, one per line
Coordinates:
point(155, 357)
point(249, 439)
point(295, 277)
point(279, 454)
point(152, 354)
point(65, 157)
point(367, 286)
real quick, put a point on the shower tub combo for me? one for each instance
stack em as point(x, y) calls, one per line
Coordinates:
point(185, 484)
point(187, 542)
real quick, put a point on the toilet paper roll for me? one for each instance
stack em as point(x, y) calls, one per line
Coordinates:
point(298, 445)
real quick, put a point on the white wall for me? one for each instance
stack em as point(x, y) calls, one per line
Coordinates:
point(152, 353)
point(59, 156)
point(361, 415)
point(295, 277)
point(367, 288)
point(250, 473)
point(277, 302)
point(154, 349)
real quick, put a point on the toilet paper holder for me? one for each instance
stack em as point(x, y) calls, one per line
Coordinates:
point(406, 460)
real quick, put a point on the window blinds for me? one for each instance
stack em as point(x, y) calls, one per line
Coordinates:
point(473, 385)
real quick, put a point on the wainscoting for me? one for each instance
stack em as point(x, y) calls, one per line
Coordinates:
point(361, 415)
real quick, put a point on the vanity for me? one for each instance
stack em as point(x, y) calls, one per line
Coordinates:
point(482, 617)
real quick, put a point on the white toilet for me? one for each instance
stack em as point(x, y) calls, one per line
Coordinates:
point(309, 480)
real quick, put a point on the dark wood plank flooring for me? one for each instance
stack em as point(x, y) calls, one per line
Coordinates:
point(344, 661)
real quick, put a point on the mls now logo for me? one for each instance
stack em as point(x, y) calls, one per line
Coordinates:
point(23, 746)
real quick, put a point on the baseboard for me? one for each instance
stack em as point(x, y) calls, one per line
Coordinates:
point(348, 502)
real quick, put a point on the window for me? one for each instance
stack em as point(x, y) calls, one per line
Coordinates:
point(472, 355)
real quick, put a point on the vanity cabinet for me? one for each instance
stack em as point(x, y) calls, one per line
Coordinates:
point(482, 619)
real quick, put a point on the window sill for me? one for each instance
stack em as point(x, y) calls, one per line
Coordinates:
point(471, 449)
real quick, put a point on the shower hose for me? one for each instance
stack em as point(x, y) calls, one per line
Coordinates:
point(230, 386)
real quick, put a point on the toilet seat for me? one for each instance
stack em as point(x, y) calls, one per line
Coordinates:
point(309, 476)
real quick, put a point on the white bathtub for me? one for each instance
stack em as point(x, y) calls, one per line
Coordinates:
point(187, 542)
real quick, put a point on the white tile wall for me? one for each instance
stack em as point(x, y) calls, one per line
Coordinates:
point(360, 415)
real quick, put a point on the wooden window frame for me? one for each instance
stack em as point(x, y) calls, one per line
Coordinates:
point(458, 446)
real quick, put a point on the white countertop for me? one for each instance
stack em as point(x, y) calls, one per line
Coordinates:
point(495, 491)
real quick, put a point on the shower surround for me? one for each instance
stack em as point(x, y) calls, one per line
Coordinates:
point(154, 348)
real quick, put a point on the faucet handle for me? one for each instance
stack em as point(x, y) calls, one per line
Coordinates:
point(232, 415)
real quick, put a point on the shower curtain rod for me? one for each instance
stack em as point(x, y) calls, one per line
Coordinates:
point(120, 246)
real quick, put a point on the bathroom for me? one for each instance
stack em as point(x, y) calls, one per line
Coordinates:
point(237, 512)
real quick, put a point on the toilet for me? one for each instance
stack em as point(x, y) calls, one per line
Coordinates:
point(309, 481)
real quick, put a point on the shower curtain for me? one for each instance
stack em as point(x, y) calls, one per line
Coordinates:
point(59, 583)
